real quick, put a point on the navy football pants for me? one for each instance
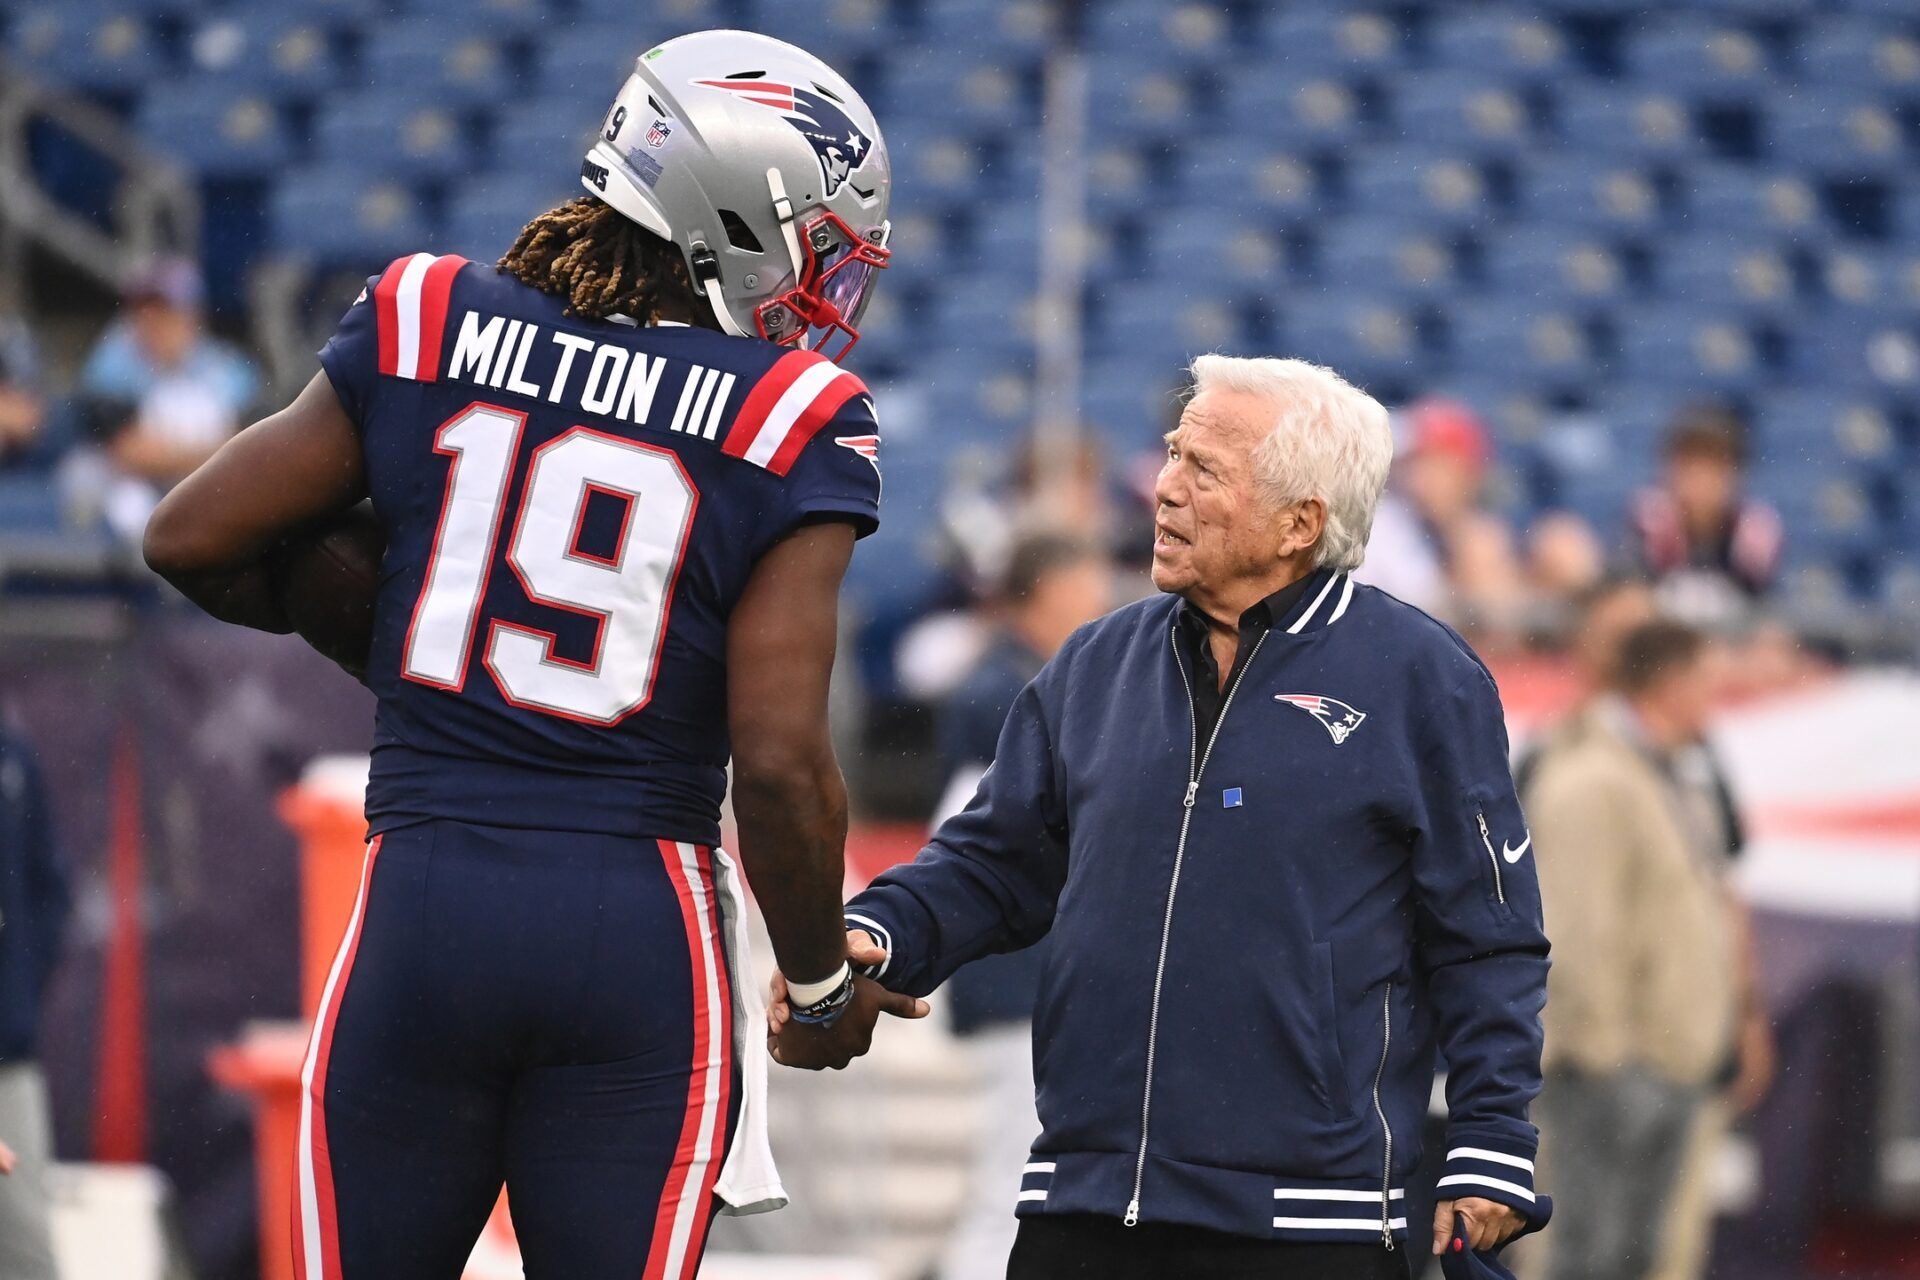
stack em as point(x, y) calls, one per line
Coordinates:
point(545, 1009)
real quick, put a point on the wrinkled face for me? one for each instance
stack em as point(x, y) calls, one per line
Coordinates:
point(1212, 529)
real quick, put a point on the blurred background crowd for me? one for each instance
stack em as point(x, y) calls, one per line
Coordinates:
point(1641, 282)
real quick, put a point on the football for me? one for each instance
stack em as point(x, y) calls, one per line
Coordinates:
point(327, 579)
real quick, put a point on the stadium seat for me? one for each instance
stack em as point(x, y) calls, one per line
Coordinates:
point(1162, 323)
point(1859, 347)
point(1689, 349)
point(1858, 276)
point(1739, 199)
point(582, 63)
point(276, 50)
point(544, 138)
point(1839, 134)
point(1120, 179)
point(400, 135)
point(1135, 98)
point(1130, 401)
point(1698, 57)
point(342, 217)
point(1622, 122)
point(1857, 53)
point(836, 30)
point(1853, 428)
point(87, 46)
point(215, 127)
point(1192, 34)
point(1387, 256)
point(1468, 111)
point(1320, 41)
point(1519, 46)
point(1588, 193)
point(483, 218)
point(1542, 346)
point(1714, 268)
point(1451, 190)
point(464, 70)
point(1284, 182)
point(1009, 26)
point(1318, 114)
point(983, 92)
point(672, 16)
point(1552, 264)
point(493, 17)
point(1372, 342)
point(1214, 250)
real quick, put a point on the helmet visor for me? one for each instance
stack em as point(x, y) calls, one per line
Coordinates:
point(841, 263)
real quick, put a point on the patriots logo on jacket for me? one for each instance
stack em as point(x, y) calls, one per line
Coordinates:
point(834, 137)
point(1339, 718)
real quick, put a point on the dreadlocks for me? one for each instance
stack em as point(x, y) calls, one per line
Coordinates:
point(602, 263)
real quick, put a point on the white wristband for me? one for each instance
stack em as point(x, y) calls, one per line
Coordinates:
point(802, 994)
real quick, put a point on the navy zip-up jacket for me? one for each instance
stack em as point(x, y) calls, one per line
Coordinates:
point(1257, 942)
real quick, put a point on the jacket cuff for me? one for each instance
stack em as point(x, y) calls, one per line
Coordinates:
point(1497, 1169)
point(869, 920)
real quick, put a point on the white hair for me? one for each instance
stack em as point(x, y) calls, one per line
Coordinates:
point(1330, 440)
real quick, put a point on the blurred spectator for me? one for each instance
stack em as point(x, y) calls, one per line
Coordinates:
point(33, 906)
point(1054, 485)
point(159, 394)
point(1711, 549)
point(1434, 543)
point(1651, 1008)
point(23, 410)
point(1053, 585)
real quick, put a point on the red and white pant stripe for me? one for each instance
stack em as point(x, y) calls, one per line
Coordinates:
point(316, 1236)
point(686, 1202)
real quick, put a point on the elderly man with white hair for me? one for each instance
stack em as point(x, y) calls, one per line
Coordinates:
point(1267, 821)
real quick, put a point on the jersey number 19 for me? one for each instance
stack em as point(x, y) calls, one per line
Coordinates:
point(628, 594)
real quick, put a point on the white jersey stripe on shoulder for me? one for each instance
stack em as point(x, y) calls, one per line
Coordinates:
point(406, 306)
point(1346, 598)
point(787, 410)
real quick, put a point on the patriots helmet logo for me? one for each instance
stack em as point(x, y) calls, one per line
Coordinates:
point(1339, 718)
point(836, 140)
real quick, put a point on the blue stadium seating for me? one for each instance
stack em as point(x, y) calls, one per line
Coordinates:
point(1520, 47)
point(221, 128)
point(1574, 202)
point(344, 216)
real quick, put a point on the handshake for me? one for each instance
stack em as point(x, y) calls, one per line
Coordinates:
point(814, 1045)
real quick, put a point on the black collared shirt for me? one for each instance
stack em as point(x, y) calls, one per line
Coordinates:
point(1208, 695)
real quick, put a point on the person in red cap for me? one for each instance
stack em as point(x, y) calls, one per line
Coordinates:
point(1442, 549)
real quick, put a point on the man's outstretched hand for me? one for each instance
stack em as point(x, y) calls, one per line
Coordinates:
point(813, 1047)
point(1489, 1223)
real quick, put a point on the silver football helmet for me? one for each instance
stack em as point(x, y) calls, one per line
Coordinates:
point(766, 169)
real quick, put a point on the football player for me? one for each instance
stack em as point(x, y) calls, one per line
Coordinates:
point(619, 485)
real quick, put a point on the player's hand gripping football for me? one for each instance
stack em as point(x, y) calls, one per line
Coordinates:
point(812, 1047)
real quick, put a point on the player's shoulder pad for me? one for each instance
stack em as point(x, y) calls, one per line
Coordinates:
point(786, 408)
point(410, 302)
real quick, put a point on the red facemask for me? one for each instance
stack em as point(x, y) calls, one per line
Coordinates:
point(835, 278)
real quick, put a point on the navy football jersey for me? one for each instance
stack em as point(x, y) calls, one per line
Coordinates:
point(572, 508)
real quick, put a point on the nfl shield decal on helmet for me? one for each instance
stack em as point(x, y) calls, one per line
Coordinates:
point(1339, 718)
point(832, 134)
point(658, 133)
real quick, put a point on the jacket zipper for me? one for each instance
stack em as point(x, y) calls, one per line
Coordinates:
point(1196, 765)
point(1386, 1130)
point(1499, 890)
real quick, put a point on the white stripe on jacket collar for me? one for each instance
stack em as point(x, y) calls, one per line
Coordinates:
point(1343, 580)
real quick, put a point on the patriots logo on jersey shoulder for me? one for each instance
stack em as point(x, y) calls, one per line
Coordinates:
point(837, 141)
point(1339, 718)
point(867, 447)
